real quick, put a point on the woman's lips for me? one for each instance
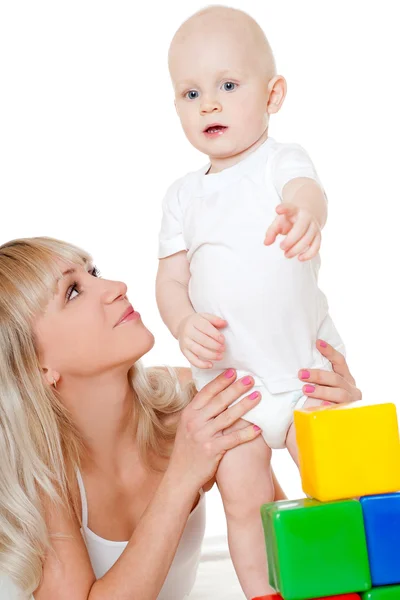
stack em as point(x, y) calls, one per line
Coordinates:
point(129, 315)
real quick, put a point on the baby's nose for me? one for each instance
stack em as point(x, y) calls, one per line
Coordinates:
point(210, 106)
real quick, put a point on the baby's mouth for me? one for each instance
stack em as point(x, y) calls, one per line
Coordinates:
point(214, 129)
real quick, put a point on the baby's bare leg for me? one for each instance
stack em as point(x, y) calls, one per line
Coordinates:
point(291, 443)
point(245, 481)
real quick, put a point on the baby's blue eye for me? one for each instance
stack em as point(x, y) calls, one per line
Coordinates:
point(192, 94)
point(229, 86)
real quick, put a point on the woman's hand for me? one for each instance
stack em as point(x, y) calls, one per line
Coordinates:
point(200, 443)
point(337, 387)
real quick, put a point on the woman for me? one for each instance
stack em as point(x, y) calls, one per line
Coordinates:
point(93, 444)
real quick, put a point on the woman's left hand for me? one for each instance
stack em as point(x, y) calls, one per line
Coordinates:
point(333, 387)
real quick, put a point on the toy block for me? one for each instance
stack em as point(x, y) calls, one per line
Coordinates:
point(269, 597)
point(340, 597)
point(347, 451)
point(382, 528)
point(390, 592)
point(316, 549)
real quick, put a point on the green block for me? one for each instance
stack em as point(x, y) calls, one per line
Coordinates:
point(389, 592)
point(316, 549)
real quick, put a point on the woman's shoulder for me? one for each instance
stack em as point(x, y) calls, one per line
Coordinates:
point(184, 377)
point(184, 374)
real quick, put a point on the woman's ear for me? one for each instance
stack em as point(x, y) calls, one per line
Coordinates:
point(277, 88)
point(51, 377)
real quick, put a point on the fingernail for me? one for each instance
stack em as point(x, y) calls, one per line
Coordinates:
point(256, 428)
point(309, 389)
point(323, 344)
point(246, 381)
point(326, 403)
point(229, 373)
point(253, 396)
point(305, 374)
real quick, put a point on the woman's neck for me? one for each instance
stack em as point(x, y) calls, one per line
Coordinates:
point(103, 411)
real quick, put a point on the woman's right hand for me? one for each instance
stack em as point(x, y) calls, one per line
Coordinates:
point(200, 442)
point(333, 387)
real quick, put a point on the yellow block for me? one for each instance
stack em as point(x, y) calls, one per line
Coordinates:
point(348, 451)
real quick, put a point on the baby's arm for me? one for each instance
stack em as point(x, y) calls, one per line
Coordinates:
point(172, 291)
point(303, 211)
point(306, 193)
point(199, 338)
point(198, 333)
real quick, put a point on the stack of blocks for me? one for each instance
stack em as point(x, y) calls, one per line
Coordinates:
point(343, 541)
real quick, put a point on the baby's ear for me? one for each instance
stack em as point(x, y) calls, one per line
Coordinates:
point(277, 88)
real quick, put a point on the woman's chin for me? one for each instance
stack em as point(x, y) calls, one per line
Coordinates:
point(152, 341)
point(144, 345)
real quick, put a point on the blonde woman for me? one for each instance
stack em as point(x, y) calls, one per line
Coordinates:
point(95, 449)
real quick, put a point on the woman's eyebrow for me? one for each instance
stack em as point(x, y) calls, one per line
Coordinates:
point(72, 270)
point(68, 272)
point(58, 280)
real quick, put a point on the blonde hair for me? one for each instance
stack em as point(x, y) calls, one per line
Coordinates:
point(40, 447)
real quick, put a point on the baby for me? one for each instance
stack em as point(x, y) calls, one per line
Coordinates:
point(226, 288)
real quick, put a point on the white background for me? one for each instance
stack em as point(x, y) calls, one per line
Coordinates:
point(90, 141)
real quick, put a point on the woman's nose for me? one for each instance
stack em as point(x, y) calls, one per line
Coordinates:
point(114, 290)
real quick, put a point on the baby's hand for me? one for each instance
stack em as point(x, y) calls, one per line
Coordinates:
point(302, 230)
point(200, 341)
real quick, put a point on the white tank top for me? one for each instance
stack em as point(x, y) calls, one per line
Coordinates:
point(182, 574)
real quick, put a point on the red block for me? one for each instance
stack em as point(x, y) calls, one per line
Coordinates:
point(341, 597)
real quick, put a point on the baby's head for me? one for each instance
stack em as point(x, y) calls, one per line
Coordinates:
point(223, 72)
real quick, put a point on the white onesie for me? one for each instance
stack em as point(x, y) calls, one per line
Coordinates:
point(274, 308)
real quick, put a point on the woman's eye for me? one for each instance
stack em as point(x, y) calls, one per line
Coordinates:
point(229, 86)
point(192, 94)
point(95, 272)
point(74, 290)
point(71, 291)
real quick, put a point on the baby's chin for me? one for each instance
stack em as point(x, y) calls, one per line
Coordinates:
point(219, 148)
point(228, 152)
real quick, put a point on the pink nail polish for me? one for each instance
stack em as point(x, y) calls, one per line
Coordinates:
point(326, 403)
point(309, 389)
point(256, 428)
point(305, 374)
point(323, 344)
point(229, 373)
point(253, 396)
point(246, 380)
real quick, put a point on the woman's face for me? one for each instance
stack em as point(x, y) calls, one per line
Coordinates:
point(83, 332)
